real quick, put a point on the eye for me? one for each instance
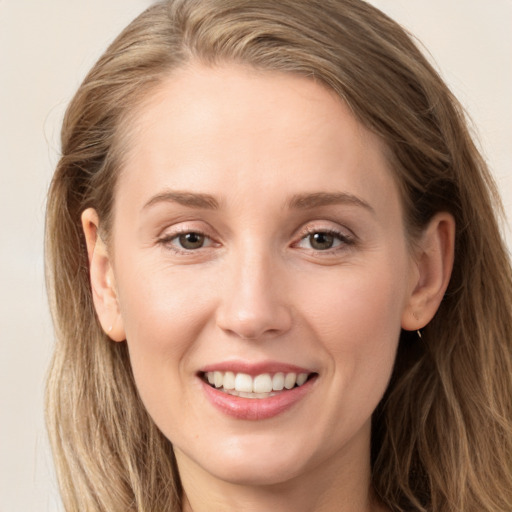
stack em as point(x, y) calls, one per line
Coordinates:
point(324, 240)
point(186, 241)
point(190, 241)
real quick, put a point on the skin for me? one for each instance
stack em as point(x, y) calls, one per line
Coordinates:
point(258, 289)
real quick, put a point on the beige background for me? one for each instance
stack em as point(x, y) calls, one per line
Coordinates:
point(45, 49)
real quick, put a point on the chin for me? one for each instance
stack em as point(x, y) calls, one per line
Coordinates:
point(258, 462)
point(256, 473)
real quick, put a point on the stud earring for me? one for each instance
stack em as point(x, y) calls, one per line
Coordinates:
point(109, 330)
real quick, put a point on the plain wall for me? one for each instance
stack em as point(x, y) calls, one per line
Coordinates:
point(46, 47)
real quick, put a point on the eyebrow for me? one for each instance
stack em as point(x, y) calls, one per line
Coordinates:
point(318, 199)
point(190, 199)
point(297, 202)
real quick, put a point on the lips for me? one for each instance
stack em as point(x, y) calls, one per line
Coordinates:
point(255, 392)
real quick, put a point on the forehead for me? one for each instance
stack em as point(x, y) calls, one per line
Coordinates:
point(206, 128)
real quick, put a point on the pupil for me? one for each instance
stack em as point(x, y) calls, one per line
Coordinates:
point(321, 241)
point(191, 240)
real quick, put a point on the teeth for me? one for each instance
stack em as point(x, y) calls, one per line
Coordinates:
point(302, 378)
point(218, 379)
point(278, 382)
point(242, 384)
point(229, 380)
point(290, 380)
point(262, 383)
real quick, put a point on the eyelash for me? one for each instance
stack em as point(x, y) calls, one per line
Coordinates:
point(167, 241)
point(343, 239)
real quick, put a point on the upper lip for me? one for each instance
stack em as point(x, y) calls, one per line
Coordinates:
point(253, 369)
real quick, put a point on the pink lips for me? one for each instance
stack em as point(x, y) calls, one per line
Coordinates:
point(256, 408)
point(254, 368)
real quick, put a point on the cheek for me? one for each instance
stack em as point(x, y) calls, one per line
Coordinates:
point(163, 314)
point(357, 318)
point(161, 306)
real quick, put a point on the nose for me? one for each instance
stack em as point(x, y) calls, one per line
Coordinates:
point(253, 300)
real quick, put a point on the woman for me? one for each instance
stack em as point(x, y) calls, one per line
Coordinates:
point(276, 274)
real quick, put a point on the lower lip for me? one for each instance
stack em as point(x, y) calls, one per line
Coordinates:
point(256, 408)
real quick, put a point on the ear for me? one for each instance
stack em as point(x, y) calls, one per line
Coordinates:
point(433, 267)
point(102, 278)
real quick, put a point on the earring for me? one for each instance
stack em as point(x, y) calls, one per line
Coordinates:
point(109, 330)
point(418, 332)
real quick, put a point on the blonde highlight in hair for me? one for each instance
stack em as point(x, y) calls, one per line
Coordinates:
point(442, 435)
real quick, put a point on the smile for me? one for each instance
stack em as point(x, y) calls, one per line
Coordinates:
point(260, 386)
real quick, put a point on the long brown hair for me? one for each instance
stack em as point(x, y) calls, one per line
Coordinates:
point(442, 435)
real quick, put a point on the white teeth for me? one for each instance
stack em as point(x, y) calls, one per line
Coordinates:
point(278, 382)
point(241, 384)
point(262, 383)
point(243, 394)
point(229, 380)
point(289, 380)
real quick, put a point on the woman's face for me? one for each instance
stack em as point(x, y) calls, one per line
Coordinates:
point(258, 244)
